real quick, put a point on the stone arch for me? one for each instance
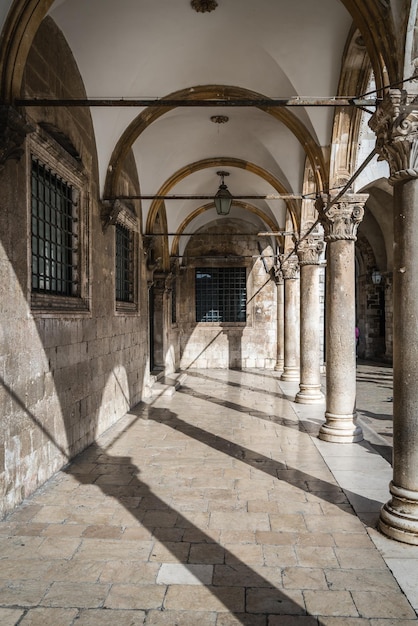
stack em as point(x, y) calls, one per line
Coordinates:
point(25, 16)
point(207, 92)
point(411, 41)
point(22, 23)
point(354, 79)
point(194, 214)
point(292, 205)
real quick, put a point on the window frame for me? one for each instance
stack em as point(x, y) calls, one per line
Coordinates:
point(128, 220)
point(51, 155)
point(219, 267)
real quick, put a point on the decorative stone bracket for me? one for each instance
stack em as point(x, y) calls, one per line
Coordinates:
point(13, 131)
point(117, 211)
point(109, 213)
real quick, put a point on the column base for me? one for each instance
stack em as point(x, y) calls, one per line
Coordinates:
point(340, 429)
point(290, 374)
point(279, 366)
point(309, 394)
point(399, 517)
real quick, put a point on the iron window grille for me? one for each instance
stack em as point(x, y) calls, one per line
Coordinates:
point(221, 294)
point(54, 233)
point(124, 264)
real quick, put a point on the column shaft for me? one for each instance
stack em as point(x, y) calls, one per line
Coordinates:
point(280, 326)
point(341, 351)
point(399, 517)
point(340, 221)
point(291, 330)
point(310, 377)
point(396, 124)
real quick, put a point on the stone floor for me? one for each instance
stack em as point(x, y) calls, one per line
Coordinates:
point(217, 506)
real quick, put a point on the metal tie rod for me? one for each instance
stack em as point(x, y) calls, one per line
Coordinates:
point(211, 102)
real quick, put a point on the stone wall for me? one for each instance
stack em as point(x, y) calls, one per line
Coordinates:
point(233, 345)
point(66, 375)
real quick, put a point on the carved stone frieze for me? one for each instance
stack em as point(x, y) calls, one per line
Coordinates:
point(289, 266)
point(309, 249)
point(13, 131)
point(340, 220)
point(395, 123)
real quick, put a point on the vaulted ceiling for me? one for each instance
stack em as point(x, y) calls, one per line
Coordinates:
point(242, 49)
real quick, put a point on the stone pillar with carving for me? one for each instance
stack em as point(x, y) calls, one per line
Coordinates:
point(290, 270)
point(309, 249)
point(396, 126)
point(340, 220)
point(279, 282)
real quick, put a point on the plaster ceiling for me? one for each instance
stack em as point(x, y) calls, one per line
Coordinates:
point(150, 48)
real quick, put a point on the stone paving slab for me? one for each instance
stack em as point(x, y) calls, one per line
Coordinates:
point(216, 506)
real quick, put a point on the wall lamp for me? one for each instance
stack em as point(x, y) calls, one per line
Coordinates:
point(376, 277)
point(223, 198)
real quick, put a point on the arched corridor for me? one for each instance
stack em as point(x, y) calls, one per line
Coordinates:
point(209, 186)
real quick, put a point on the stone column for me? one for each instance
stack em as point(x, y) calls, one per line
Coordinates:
point(396, 124)
point(309, 249)
point(290, 269)
point(340, 221)
point(278, 279)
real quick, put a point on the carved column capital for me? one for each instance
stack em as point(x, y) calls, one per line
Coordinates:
point(289, 266)
point(277, 274)
point(341, 219)
point(395, 123)
point(13, 131)
point(309, 249)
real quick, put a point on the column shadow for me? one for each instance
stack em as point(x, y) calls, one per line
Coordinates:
point(325, 491)
point(245, 593)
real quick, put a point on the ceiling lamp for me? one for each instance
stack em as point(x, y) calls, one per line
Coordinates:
point(204, 6)
point(223, 198)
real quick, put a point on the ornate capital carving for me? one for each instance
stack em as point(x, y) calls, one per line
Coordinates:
point(277, 274)
point(289, 266)
point(340, 220)
point(13, 131)
point(309, 249)
point(395, 123)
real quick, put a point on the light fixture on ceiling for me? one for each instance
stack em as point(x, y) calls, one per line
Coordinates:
point(204, 6)
point(219, 119)
point(223, 198)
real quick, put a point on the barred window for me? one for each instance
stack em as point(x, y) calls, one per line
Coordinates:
point(124, 264)
point(221, 294)
point(54, 236)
